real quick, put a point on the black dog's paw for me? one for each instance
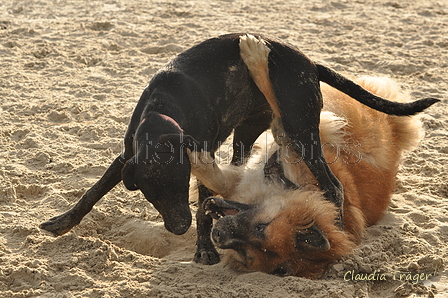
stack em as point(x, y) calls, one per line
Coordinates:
point(206, 257)
point(60, 225)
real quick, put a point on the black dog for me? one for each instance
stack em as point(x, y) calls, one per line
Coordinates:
point(204, 94)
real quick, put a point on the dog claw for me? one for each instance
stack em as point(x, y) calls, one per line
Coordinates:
point(207, 257)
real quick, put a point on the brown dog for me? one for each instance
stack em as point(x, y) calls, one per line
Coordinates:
point(274, 218)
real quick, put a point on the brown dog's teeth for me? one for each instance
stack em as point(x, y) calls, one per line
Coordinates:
point(214, 214)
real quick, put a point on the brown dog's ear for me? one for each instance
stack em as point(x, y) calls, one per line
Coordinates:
point(311, 239)
point(128, 176)
point(179, 139)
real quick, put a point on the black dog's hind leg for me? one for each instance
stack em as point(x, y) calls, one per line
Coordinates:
point(328, 182)
point(247, 133)
point(295, 80)
point(65, 222)
point(308, 145)
point(205, 250)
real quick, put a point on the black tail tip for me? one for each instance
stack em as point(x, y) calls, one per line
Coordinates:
point(423, 104)
point(430, 101)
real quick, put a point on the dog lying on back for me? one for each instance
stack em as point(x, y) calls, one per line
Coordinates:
point(272, 216)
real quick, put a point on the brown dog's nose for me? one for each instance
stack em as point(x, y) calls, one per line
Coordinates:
point(225, 239)
point(219, 236)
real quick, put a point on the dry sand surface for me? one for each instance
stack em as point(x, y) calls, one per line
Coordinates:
point(70, 75)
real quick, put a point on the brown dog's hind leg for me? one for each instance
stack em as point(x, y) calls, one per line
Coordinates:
point(63, 223)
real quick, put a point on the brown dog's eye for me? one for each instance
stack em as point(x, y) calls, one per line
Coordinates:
point(280, 271)
point(260, 227)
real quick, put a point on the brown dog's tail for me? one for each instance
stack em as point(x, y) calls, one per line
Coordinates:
point(369, 99)
point(254, 53)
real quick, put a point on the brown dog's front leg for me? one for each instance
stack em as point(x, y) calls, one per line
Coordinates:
point(220, 181)
point(205, 250)
point(63, 223)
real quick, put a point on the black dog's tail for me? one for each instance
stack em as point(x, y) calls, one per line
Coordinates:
point(355, 91)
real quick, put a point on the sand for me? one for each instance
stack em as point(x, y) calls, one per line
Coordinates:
point(71, 73)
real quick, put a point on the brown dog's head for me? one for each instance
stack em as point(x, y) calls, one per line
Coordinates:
point(292, 237)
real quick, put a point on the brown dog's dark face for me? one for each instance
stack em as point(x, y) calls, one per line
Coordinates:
point(294, 241)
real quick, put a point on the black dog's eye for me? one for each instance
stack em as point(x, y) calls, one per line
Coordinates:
point(260, 227)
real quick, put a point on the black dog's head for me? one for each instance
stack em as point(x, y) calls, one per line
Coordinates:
point(160, 168)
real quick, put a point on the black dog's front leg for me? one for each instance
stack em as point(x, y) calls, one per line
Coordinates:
point(205, 250)
point(63, 223)
point(243, 139)
point(247, 133)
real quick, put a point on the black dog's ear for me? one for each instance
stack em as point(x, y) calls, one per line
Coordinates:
point(190, 143)
point(311, 239)
point(128, 176)
point(178, 140)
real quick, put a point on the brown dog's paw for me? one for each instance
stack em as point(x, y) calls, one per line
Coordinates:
point(202, 163)
point(206, 256)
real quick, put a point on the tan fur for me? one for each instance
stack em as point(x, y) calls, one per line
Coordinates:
point(254, 53)
point(363, 148)
point(222, 181)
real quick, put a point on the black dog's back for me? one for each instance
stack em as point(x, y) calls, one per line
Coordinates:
point(210, 87)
